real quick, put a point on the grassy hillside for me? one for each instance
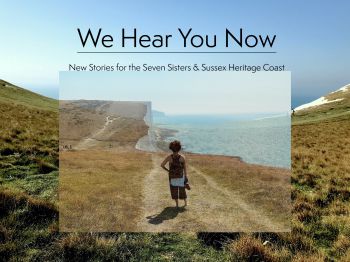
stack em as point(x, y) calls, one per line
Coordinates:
point(267, 189)
point(28, 197)
point(29, 215)
point(28, 170)
point(28, 141)
point(89, 183)
point(321, 184)
point(83, 119)
point(10, 93)
point(327, 111)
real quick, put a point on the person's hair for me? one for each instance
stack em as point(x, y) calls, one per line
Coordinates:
point(175, 146)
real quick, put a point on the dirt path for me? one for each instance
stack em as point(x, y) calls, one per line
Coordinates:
point(211, 208)
point(92, 141)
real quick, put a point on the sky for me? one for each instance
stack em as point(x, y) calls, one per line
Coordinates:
point(185, 93)
point(39, 39)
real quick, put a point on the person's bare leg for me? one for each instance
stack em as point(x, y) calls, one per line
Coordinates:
point(185, 202)
point(177, 202)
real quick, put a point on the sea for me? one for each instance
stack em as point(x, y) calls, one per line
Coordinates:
point(256, 138)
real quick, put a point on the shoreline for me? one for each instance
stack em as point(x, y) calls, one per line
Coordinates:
point(155, 141)
point(160, 145)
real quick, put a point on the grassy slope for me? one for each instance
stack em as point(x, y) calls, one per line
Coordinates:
point(320, 194)
point(10, 93)
point(28, 169)
point(266, 189)
point(28, 197)
point(328, 111)
point(81, 119)
point(88, 183)
point(28, 141)
point(321, 176)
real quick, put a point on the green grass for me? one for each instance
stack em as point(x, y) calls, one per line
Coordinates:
point(10, 93)
point(28, 198)
point(326, 112)
point(29, 214)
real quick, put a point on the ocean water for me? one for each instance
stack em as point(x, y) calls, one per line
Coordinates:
point(261, 139)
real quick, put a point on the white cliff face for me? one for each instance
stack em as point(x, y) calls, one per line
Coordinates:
point(148, 116)
point(336, 96)
point(149, 141)
point(320, 101)
point(343, 89)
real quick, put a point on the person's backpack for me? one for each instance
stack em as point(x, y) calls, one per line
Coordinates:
point(175, 167)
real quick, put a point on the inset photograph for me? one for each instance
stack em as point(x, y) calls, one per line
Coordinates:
point(174, 152)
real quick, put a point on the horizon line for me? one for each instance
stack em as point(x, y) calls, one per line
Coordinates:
point(216, 113)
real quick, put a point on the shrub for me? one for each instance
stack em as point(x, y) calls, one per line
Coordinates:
point(9, 201)
point(42, 209)
point(7, 151)
point(341, 245)
point(304, 210)
point(305, 257)
point(4, 236)
point(45, 168)
point(90, 247)
point(248, 248)
point(7, 250)
point(297, 242)
point(216, 240)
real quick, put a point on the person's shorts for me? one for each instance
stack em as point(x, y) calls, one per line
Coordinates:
point(178, 192)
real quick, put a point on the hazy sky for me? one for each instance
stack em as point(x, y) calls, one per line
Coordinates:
point(185, 93)
point(39, 38)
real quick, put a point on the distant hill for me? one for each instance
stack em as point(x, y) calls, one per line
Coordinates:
point(156, 113)
point(334, 104)
point(10, 93)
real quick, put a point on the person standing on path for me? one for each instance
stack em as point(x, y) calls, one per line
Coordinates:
point(177, 172)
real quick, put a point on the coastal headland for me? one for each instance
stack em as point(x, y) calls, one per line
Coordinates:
point(111, 180)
